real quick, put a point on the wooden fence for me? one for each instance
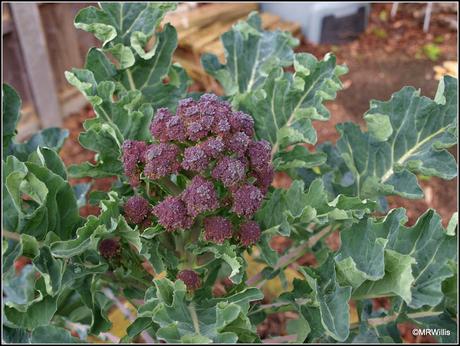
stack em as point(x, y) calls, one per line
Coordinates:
point(39, 44)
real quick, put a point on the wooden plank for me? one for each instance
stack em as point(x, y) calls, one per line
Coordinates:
point(208, 34)
point(62, 40)
point(292, 27)
point(14, 72)
point(204, 15)
point(7, 23)
point(269, 19)
point(34, 50)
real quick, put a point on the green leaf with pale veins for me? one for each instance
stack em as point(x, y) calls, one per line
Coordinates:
point(285, 104)
point(407, 135)
point(386, 258)
point(43, 201)
point(117, 22)
point(251, 53)
point(288, 209)
point(221, 320)
point(332, 299)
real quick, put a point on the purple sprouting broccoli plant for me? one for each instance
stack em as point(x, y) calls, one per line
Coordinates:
point(209, 144)
point(200, 172)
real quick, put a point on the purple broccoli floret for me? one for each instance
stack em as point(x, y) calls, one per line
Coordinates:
point(229, 170)
point(200, 196)
point(109, 248)
point(190, 278)
point(237, 142)
point(158, 125)
point(172, 214)
point(249, 233)
point(259, 154)
point(137, 209)
point(242, 122)
point(246, 200)
point(195, 159)
point(217, 229)
point(161, 160)
point(175, 129)
point(213, 147)
point(196, 130)
point(133, 155)
point(188, 110)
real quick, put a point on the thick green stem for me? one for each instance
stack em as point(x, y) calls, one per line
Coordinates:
point(291, 256)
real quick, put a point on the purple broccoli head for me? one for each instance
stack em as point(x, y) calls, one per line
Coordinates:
point(200, 196)
point(246, 200)
point(137, 209)
point(161, 160)
point(210, 142)
point(217, 229)
point(158, 125)
point(172, 214)
point(133, 155)
point(190, 278)
point(195, 159)
point(249, 233)
point(229, 171)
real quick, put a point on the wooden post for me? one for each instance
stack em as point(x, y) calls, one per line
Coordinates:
point(35, 54)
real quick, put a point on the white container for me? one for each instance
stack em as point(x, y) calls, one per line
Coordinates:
point(323, 22)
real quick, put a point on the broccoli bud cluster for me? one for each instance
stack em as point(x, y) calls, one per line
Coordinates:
point(212, 145)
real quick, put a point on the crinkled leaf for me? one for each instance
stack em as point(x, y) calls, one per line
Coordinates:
point(332, 299)
point(286, 103)
point(44, 202)
point(215, 320)
point(251, 53)
point(117, 22)
point(286, 209)
point(385, 160)
point(38, 314)
point(385, 258)
point(51, 269)
point(227, 253)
